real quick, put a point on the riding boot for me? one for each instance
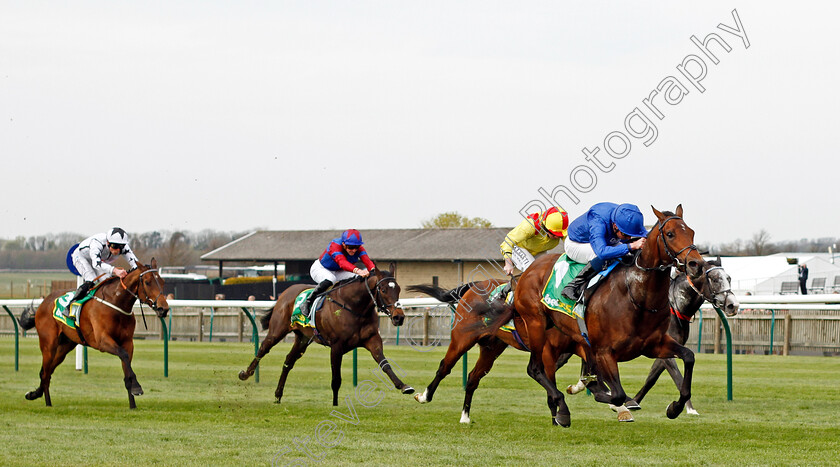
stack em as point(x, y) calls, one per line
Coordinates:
point(504, 291)
point(82, 290)
point(574, 289)
point(319, 289)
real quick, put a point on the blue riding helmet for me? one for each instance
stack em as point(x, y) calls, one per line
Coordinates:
point(629, 220)
point(352, 237)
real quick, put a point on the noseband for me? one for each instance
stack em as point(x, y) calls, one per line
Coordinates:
point(707, 284)
point(151, 303)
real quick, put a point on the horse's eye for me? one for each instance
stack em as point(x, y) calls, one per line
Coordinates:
point(670, 234)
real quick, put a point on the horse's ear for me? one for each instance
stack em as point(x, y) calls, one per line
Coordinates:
point(678, 211)
point(658, 214)
point(153, 264)
point(393, 268)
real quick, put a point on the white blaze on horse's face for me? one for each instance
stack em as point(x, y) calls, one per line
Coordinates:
point(391, 285)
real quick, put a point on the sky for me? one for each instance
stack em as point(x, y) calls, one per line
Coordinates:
point(236, 116)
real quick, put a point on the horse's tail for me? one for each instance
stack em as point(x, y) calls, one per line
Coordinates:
point(494, 314)
point(266, 318)
point(27, 318)
point(443, 295)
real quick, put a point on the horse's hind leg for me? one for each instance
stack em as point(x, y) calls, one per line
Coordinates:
point(676, 376)
point(271, 339)
point(52, 356)
point(488, 355)
point(458, 346)
point(298, 348)
point(536, 370)
point(336, 354)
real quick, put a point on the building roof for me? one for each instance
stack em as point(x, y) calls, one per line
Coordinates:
point(381, 244)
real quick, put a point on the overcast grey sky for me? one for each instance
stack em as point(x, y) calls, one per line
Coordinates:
point(332, 115)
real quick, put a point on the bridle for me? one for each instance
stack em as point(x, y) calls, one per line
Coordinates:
point(675, 260)
point(707, 285)
point(377, 297)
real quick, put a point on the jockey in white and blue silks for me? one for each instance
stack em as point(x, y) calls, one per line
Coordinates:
point(94, 255)
point(607, 231)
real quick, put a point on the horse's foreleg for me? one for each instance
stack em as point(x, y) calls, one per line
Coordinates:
point(53, 354)
point(608, 370)
point(459, 344)
point(108, 345)
point(671, 365)
point(487, 356)
point(336, 354)
point(374, 346)
point(687, 356)
point(273, 337)
point(298, 348)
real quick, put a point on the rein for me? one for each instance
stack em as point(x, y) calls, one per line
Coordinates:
point(376, 299)
point(136, 297)
point(674, 256)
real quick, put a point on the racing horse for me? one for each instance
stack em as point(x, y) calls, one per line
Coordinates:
point(626, 316)
point(492, 342)
point(106, 323)
point(347, 320)
point(685, 298)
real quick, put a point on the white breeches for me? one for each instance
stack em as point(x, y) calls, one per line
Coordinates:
point(319, 273)
point(580, 252)
point(88, 272)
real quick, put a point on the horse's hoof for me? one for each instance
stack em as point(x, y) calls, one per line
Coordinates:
point(465, 418)
point(419, 399)
point(691, 411)
point(564, 420)
point(625, 416)
point(673, 411)
point(243, 376)
point(632, 405)
point(408, 390)
point(137, 391)
point(31, 396)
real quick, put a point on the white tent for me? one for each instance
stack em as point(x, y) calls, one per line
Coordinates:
point(763, 275)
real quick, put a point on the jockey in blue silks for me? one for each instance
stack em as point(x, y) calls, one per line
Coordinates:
point(605, 232)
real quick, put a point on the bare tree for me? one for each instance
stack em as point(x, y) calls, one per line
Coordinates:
point(454, 220)
point(760, 245)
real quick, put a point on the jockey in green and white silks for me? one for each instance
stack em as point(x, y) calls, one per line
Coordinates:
point(95, 254)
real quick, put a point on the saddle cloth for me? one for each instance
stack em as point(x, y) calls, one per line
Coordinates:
point(306, 320)
point(70, 318)
point(565, 270)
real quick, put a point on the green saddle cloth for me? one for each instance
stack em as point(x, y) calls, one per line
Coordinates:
point(62, 302)
point(297, 316)
point(564, 271)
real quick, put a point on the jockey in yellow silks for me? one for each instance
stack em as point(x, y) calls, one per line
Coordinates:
point(538, 232)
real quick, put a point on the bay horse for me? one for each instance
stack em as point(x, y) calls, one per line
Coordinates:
point(347, 320)
point(626, 316)
point(492, 342)
point(685, 298)
point(106, 323)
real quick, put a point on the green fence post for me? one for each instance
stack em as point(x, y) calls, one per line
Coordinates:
point(212, 313)
point(256, 337)
point(700, 331)
point(17, 342)
point(772, 328)
point(728, 353)
point(165, 347)
point(84, 358)
point(464, 370)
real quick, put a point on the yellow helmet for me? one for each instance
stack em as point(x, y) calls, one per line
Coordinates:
point(556, 221)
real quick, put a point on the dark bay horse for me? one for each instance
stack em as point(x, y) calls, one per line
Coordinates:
point(348, 319)
point(106, 324)
point(492, 342)
point(627, 316)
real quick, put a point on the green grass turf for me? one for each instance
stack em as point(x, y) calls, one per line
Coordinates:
point(782, 413)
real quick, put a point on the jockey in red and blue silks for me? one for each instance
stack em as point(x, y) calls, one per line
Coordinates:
point(338, 262)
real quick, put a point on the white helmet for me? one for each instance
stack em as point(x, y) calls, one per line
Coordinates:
point(117, 236)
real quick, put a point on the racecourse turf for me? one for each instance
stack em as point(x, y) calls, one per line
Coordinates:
point(783, 413)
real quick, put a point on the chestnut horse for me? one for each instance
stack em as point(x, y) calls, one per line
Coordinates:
point(492, 342)
point(348, 319)
point(106, 323)
point(627, 316)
